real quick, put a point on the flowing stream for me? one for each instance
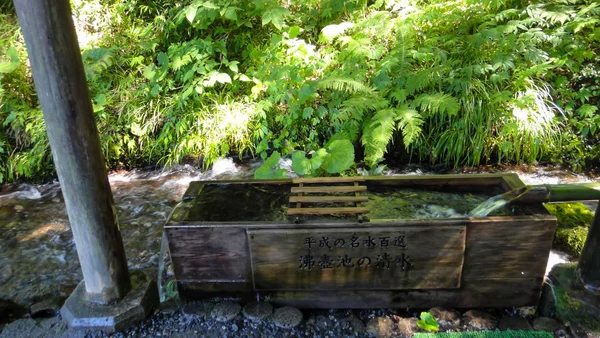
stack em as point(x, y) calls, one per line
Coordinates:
point(38, 258)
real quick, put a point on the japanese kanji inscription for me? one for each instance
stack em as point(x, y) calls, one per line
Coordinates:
point(362, 258)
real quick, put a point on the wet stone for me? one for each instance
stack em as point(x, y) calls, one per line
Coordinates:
point(480, 320)
point(320, 322)
point(353, 324)
point(257, 311)
point(287, 317)
point(18, 208)
point(224, 312)
point(546, 324)
point(514, 323)
point(447, 318)
point(49, 307)
point(200, 309)
point(408, 326)
point(381, 327)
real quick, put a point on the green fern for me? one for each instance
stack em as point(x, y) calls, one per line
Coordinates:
point(436, 103)
point(356, 106)
point(346, 85)
point(409, 122)
point(378, 134)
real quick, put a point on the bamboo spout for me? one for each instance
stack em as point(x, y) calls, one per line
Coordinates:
point(557, 193)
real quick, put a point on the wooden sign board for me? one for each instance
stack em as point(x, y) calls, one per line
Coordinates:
point(426, 257)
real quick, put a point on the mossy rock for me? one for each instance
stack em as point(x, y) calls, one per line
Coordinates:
point(574, 220)
point(573, 303)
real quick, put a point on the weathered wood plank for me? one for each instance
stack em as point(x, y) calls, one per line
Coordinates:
point(328, 199)
point(328, 189)
point(210, 254)
point(504, 292)
point(514, 248)
point(483, 293)
point(327, 211)
point(359, 258)
point(309, 180)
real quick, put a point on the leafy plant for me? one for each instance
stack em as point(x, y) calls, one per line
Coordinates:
point(428, 322)
point(270, 168)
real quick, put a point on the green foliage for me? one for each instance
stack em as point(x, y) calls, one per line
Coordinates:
point(458, 83)
point(270, 168)
point(428, 323)
point(573, 221)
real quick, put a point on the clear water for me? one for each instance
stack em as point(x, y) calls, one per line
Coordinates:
point(498, 202)
point(269, 202)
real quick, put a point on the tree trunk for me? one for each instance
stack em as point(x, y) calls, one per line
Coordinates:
point(61, 85)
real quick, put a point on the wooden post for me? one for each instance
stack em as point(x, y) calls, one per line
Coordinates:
point(589, 262)
point(61, 85)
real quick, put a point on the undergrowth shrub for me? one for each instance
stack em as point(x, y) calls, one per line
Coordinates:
point(459, 83)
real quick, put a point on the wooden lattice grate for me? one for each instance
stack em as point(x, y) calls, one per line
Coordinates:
point(337, 195)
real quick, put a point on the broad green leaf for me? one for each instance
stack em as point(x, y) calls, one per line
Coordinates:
point(231, 13)
point(270, 168)
point(163, 60)
point(190, 13)
point(150, 72)
point(13, 64)
point(300, 163)
point(233, 65)
point(223, 78)
point(340, 156)
point(275, 16)
point(244, 78)
point(293, 32)
point(428, 323)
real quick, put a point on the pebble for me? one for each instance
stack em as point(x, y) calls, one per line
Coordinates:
point(287, 317)
point(224, 312)
point(200, 309)
point(257, 310)
point(480, 320)
point(381, 327)
point(19, 208)
point(447, 318)
point(514, 323)
point(353, 324)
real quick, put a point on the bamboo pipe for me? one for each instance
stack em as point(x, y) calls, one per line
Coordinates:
point(556, 193)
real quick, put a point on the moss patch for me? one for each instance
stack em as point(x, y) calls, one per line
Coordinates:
point(574, 220)
point(573, 303)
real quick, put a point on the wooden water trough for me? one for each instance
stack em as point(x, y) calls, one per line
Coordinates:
point(318, 243)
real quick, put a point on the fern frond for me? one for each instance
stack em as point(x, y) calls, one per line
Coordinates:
point(436, 103)
point(409, 122)
point(356, 106)
point(345, 85)
point(377, 135)
point(361, 46)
